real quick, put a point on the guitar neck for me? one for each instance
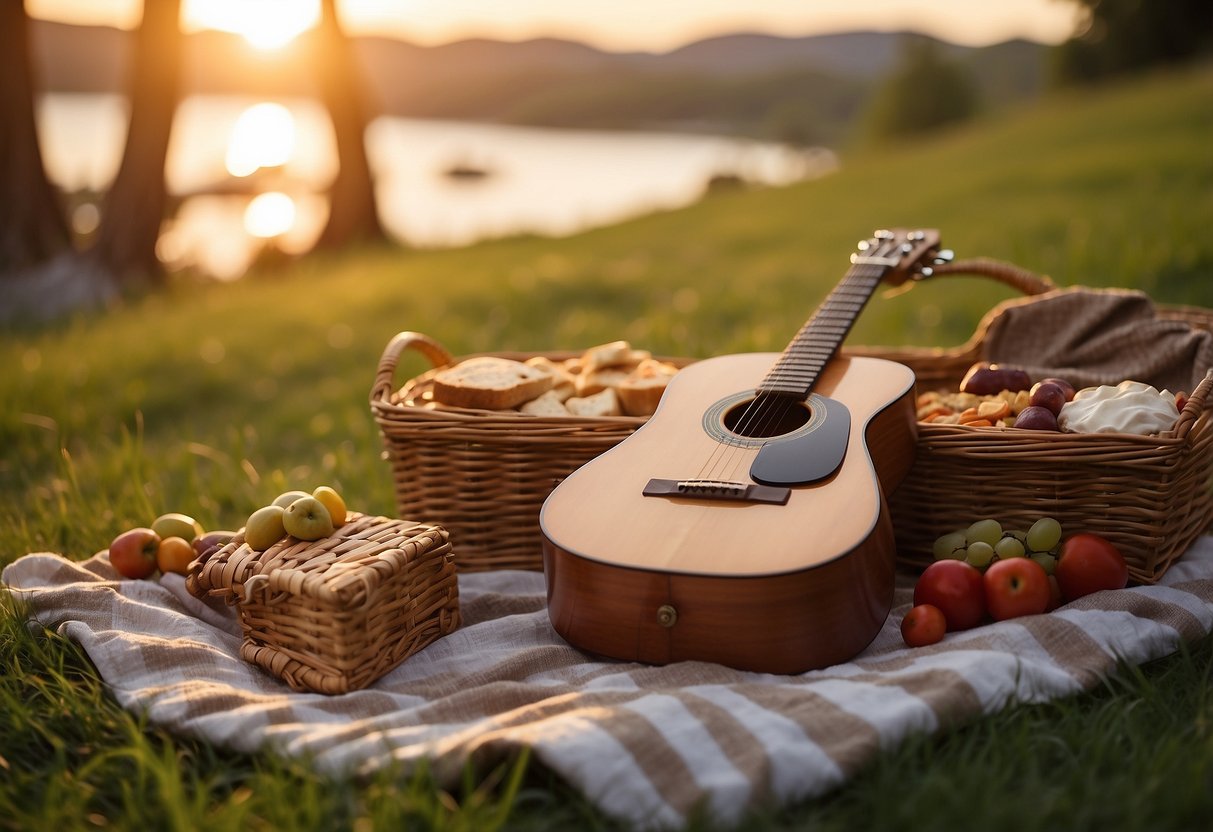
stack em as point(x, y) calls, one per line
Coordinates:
point(797, 370)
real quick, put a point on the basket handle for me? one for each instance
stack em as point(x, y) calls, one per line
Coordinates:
point(1194, 406)
point(1027, 282)
point(424, 344)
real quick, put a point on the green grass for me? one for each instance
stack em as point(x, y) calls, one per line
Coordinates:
point(212, 399)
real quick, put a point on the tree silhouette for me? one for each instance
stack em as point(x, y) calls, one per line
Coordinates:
point(352, 213)
point(134, 207)
point(32, 224)
point(925, 92)
point(1115, 37)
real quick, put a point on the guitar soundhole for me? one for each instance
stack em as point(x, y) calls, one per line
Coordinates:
point(766, 416)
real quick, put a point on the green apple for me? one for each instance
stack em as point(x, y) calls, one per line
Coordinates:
point(133, 553)
point(307, 519)
point(287, 497)
point(174, 524)
point(264, 527)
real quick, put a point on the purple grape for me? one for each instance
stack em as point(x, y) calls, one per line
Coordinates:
point(1036, 417)
point(1066, 387)
point(1048, 395)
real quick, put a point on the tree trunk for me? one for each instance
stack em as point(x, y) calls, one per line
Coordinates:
point(32, 223)
point(135, 204)
point(352, 213)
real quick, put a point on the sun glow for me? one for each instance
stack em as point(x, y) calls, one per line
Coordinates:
point(263, 137)
point(266, 24)
point(269, 215)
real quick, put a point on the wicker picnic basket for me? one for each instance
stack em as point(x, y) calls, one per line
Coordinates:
point(333, 615)
point(1150, 495)
point(482, 474)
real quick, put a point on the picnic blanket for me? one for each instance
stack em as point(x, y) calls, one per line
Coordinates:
point(645, 744)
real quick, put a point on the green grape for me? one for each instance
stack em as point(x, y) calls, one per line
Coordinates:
point(1018, 534)
point(987, 531)
point(1044, 535)
point(1009, 547)
point(1047, 561)
point(950, 547)
point(979, 554)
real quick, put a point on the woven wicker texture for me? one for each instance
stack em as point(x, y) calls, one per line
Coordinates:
point(482, 474)
point(333, 615)
point(1149, 495)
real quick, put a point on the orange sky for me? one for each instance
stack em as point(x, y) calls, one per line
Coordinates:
point(612, 24)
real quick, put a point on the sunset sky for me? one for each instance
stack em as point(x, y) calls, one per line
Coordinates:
point(612, 24)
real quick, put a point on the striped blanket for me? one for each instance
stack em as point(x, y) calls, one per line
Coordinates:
point(645, 744)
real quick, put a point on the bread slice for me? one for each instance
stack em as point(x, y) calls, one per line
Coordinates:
point(549, 404)
point(614, 354)
point(603, 403)
point(563, 383)
point(490, 383)
point(642, 389)
point(595, 381)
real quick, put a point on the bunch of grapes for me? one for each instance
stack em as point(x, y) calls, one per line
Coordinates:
point(985, 541)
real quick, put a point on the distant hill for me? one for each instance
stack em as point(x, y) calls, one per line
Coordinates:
point(808, 88)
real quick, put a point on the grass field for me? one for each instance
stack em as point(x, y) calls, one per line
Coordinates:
point(212, 399)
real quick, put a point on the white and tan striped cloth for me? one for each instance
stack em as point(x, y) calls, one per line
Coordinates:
point(646, 744)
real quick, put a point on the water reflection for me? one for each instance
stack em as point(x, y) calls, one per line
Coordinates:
point(225, 151)
point(262, 137)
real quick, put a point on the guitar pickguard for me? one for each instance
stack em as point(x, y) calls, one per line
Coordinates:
point(807, 456)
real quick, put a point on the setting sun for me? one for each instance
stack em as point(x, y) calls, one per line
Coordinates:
point(266, 24)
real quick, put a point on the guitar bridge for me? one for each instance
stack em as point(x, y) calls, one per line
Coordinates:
point(721, 490)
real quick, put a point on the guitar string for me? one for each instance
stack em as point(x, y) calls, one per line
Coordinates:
point(762, 414)
point(767, 410)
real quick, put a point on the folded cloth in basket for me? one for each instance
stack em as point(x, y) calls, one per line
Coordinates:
point(1098, 336)
point(645, 744)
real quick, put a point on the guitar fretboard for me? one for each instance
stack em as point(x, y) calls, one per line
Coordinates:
point(796, 371)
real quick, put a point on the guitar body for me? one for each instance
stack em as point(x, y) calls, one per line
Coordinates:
point(682, 574)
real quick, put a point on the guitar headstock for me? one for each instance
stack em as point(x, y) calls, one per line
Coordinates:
point(908, 254)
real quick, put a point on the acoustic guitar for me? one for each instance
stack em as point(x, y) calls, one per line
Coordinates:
point(746, 522)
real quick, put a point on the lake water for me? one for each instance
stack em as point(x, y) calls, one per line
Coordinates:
point(542, 181)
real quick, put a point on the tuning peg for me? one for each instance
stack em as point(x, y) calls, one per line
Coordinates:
point(944, 255)
point(863, 245)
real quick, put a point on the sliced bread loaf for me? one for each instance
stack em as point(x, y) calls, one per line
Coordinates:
point(490, 383)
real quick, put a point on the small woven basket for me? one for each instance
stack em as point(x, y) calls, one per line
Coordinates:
point(1150, 495)
point(482, 474)
point(333, 615)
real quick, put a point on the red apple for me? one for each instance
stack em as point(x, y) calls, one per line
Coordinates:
point(955, 587)
point(1088, 563)
point(923, 625)
point(1015, 587)
point(133, 553)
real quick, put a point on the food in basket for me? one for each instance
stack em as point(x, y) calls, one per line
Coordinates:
point(641, 389)
point(603, 403)
point(307, 519)
point(984, 379)
point(1129, 407)
point(564, 384)
point(302, 515)
point(490, 383)
point(604, 381)
point(264, 527)
point(334, 502)
point(1035, 417)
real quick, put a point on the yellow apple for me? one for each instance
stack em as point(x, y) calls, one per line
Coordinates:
point(264, 527)
point(333, 502)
